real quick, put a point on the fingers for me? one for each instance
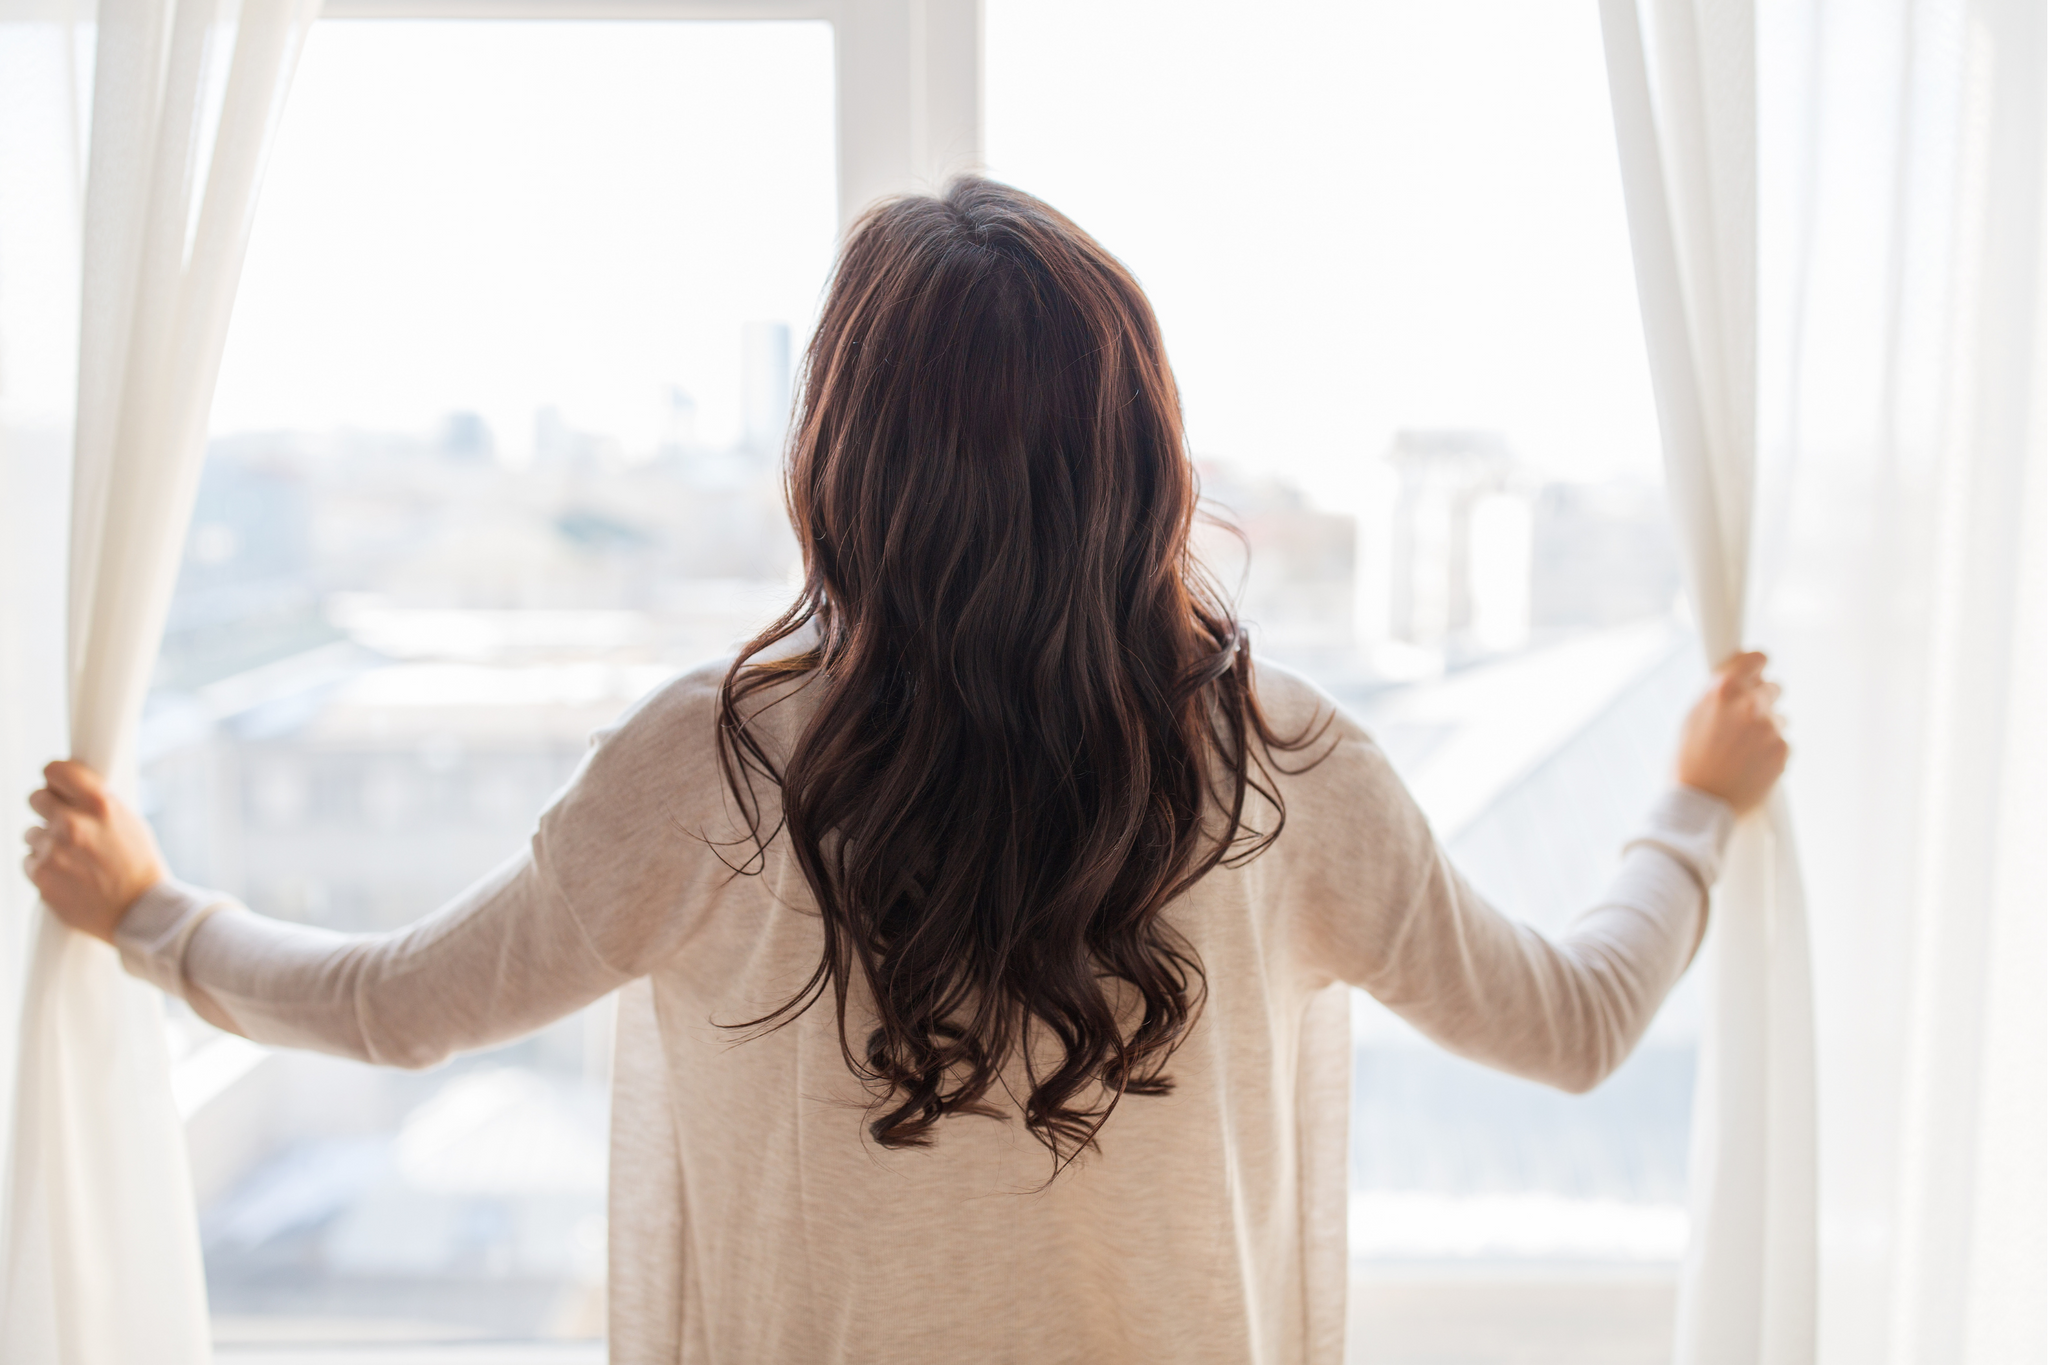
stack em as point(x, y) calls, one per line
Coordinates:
point(1738, 675)
point(61, 828)
point(78, 784)
point(1741, 680)
point(1762, 703)
point(1746, 667)
point(40, 847)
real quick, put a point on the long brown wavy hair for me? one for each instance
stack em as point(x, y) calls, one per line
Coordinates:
point(1035, 724)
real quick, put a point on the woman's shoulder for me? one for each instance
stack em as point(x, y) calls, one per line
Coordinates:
point(676, 716)
point(669, 738)
point(657, 772)
point(658, 752)
point(1293, 705)
point(1335, 776)
point(685, 710)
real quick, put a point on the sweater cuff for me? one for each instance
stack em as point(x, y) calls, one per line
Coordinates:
point(153, 935)
point(1692, 827)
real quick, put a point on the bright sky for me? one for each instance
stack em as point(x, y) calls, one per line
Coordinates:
point(498, 216)
point(1352, 217)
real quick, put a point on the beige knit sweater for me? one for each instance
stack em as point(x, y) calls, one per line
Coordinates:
point(751, 1221)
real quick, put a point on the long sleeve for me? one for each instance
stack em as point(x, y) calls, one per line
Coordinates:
point(502, 959)
point(1384, 909)
point(617, 875)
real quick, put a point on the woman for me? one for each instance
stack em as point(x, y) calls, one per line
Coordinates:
point(980, 922)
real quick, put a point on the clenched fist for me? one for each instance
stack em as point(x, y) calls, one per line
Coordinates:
point(92, 855)
point(1731, 746)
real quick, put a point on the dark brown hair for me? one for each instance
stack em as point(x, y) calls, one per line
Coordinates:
point(1035, 722)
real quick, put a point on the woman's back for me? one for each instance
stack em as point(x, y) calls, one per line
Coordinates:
point(796, 1237)
point(753, 1218)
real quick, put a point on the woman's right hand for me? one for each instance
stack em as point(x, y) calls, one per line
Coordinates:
point(1731, 746)
point(93, 856)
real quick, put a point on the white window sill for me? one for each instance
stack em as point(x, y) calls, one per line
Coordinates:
point(413, 1353)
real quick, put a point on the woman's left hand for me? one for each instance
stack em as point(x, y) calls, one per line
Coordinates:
point(93, 855)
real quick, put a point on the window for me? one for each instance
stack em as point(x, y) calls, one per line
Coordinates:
point(1387, 246)
point(492, 454)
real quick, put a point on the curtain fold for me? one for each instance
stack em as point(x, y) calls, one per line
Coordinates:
point(100, 1260)
point(1683, 79)
point(1905, 149)
point(1869, 180)
point(41, 120)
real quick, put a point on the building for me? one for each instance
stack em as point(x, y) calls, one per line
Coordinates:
point(1458, 552)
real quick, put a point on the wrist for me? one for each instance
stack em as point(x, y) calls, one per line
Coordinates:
point(152, 938)
point(1692, 827)
point(147, 880)
point(1729, 794)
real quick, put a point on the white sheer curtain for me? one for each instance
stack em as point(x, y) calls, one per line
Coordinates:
point(1683, 77)
point(40, 186)
point(1858, 186)
point(1904, 150)
point(100, 1262)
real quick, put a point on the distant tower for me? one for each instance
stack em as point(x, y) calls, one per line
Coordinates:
point(465, 435)
point(764, 385)
point(1461, 544)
